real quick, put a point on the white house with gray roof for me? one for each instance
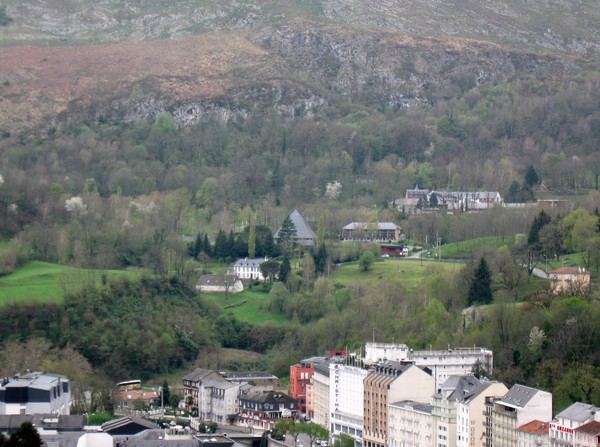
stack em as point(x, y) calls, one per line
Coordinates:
point(249, 269)
point(35, 393)
point(562, 427)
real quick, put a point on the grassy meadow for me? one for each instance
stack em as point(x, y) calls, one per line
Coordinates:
point(407, 273)
point(45, 282)
point(251, 305)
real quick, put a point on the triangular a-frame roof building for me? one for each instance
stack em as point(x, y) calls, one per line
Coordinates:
point(305, 236)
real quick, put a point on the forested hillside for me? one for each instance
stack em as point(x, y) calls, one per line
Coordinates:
point(170, 139)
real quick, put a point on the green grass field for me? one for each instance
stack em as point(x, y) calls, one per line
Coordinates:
point(464, 249)
point(407, 273)
point(45, 282)
point(251, 305)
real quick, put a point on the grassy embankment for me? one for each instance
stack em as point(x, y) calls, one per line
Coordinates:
point(44, 282)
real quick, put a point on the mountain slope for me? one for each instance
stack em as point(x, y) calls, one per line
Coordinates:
point(552, 25)
point(293, 67)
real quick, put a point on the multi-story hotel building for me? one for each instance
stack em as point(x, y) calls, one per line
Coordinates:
point(35, 393)
point(445, 402)
point(386, 383)
point(346, 400)
point(516, 408)
point(470, 413)
point(320, 391)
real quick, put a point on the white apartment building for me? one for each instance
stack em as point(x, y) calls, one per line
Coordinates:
point(470, 413)
point(444, 403)
point(346, 400)
point(35, 393)
point(533, 434)
point(410, 424)
point(320, 391)
point(518, 407)
point(218, 400)
point(562, 428)
point(443, 363)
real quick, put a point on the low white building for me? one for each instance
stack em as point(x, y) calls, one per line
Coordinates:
point(410, 424)
point(346, 400)
point(35, 393)
point(533, 434)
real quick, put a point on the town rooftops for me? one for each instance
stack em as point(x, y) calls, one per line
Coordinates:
point(37, 380)
point(535, 427)
point(323, 368)
point(366, 225)
point(128, 425)
point(243, 376)
point(465, 385)
point(518, 396)
point(578, 412)
point(268, 397)
point(415, 406)
point(197, 375)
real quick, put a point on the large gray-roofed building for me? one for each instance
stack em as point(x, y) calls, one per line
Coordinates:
point(305, 236)
point(35, 393)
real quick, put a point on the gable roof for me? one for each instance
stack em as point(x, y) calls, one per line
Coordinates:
point(535, 427)
point(218, 280)
point(129, 425)
point(365, 226)
point(578, 412)
point(591, 428)
point(304, 234)
point(569, 270)
point(518, 396)
point(197, 375)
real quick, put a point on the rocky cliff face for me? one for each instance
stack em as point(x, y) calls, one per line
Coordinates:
point(294, 68)
point(562, 26)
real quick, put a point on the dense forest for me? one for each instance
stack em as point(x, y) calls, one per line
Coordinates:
point(171, 200)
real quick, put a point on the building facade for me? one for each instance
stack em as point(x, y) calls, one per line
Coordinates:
point(519, 406)
point(346, 400)
point(300, 377)
point(377, 231)
point(443, 363)
point(35, 393)
point(386, 383)
point(533, 434)
point(562, 427)
point(249, 269)
point(320, 390)
point(471, 413)
point(410, 424)
point(260, 410)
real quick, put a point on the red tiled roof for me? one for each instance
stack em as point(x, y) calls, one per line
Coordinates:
point(591, 428)
point(567, 270)
point(535, 427)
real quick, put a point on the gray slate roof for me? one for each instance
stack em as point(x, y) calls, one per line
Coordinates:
point(197, 374)
point(365, 225)
point(578, 411)
point(217, 280)
point(519, 396)
point(304, 234)
point(416, 406)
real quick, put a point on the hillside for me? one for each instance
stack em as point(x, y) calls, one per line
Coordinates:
point(552, 25)
point(295, 68)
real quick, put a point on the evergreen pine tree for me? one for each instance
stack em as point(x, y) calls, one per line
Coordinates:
point(221, 249)
point(284, 269)
point(480, 291)
point(287, 235)
point(252, 238)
